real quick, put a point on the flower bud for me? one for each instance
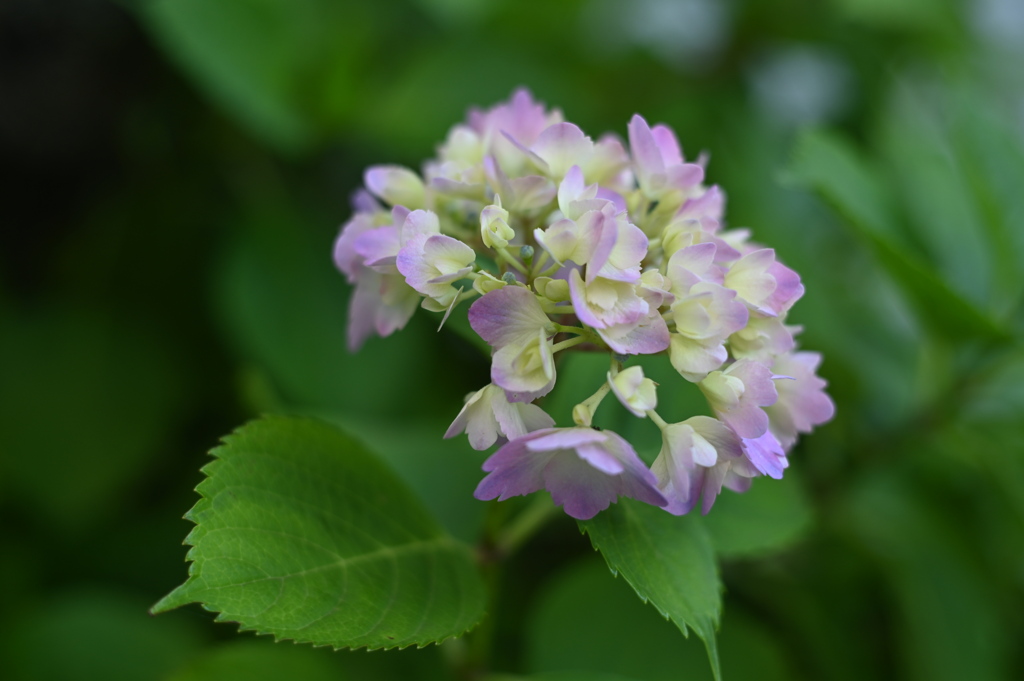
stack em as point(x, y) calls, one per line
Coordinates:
point(397, 185)
point(582, 414)
point(722, 390)
point(486, 283)
point(555, 290)
point(636, 393)
point(494, 227)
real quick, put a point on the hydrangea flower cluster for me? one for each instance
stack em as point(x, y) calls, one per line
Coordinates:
point(565, 242)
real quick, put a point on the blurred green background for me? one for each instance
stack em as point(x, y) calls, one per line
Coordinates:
point(174, 173)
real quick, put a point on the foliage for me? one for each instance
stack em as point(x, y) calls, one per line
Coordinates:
point(302, 534)
point(176, 173)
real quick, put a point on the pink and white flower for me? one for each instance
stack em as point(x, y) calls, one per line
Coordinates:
point(512, 321)
point(738, 395)
point(658, 163)
point(488, 416)
point(765, 285)
point(636, 392)
point(585, 470)
point(622, 252)
point(802, 402)
point(697, 456)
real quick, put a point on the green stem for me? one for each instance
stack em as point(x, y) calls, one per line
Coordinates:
point(549, 271)
point(558, 347)
point(658, 421)
point(474, 664)
point(508, 258)
point(550, 307)
point(525, 525)
point(583, 413)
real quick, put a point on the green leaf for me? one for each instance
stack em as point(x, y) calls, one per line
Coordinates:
point(951, 627)
point(668, 561)
point(303, 534)
point(991, 152)
point(828, 164)
point(443, 473)
point(771, 516)
point(587, 621)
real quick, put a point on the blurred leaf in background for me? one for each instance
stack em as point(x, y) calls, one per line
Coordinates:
point(175, 172)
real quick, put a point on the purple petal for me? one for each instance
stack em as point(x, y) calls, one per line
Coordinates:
point(381, 303)
point(766, 454)
point(533, 158)
point(711, 486)
point(565, 438)
point(561, 461)
point(396, 185)
point(346, 258)
point(685, 176)
point(507, 315)
point(710, 204)
point(788, 288)
point(378, 247)
point(363, 202)
point(530, 193)
point(667, 145)
point(615, 198)
point(646, 153)
point(646, 338)
point(600, 230)
point(562, 146)
point(514, 471)
point(759, 388)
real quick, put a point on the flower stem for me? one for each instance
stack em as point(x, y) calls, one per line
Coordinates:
point(538, 263)
point(549, 271)
point(558, 347)
point(658, 421)
point(583, 413)
point(555, 308)
point(525, 525)
point(510, 259)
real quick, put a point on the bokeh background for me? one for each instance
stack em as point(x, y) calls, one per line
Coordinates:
point(173, 173)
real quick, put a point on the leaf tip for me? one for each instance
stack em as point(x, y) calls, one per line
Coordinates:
point(175, 599)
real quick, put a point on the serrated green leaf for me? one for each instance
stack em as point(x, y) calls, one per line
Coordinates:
point(668, 561)
point(585, 620)
point(828, 164)
point(442, 473)
point(771, 516)
point(303, 534)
